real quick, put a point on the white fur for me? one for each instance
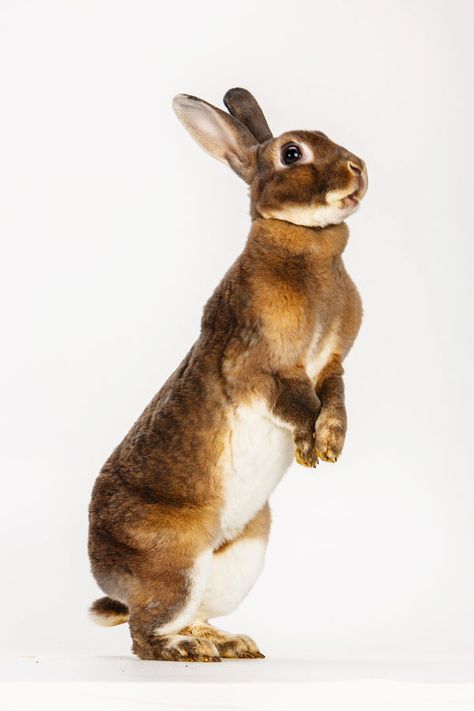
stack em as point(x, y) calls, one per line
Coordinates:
point(313, 215)
point(233, 573)
point(320, 353)
point(198, 577)
point(259, 451)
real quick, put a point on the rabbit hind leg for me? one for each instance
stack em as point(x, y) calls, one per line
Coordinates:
point(161, 605)
point(234, 570)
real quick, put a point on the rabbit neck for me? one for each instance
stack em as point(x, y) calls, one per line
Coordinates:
point(322, 242)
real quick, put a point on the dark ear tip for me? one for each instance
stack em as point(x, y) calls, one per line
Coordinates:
point(237, 90)
point(243, 106)
point(237, 93)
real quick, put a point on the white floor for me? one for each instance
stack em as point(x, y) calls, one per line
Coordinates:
point(126, 683)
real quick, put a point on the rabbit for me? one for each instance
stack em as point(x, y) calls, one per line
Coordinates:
point(179, 515)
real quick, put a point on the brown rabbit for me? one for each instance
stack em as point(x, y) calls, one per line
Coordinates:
point(179, 517)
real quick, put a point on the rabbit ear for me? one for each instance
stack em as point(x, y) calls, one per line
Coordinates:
point(221, 135)
point(246, 109)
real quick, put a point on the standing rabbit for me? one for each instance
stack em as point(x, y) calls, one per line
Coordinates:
point(179, 517)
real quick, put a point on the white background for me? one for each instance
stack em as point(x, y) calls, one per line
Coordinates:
point(115, 230)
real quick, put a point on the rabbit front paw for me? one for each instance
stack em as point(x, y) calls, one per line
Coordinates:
point(330, 434)
point(306, 453)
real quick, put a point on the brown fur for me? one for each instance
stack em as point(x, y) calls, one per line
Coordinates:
point(241, 104)
point(157, 501)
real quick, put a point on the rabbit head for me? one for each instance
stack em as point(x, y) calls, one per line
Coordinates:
point(301, 177)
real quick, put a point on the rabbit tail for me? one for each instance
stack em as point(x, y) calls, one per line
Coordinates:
point(108, 612)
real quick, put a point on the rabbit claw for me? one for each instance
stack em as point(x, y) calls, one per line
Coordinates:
point(329, 441)
point(306, 459)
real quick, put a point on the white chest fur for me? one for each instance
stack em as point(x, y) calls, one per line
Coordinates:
point(258, 453)
point(319, 353)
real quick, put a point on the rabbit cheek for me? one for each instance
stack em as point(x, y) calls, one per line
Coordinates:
point(294, 187)
point(300, 197)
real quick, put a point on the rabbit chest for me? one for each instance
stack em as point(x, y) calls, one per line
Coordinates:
point(260, 448)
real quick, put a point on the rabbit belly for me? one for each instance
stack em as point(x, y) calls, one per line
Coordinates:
point(258, 452)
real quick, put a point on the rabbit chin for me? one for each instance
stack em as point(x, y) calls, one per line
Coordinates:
point(315, 215)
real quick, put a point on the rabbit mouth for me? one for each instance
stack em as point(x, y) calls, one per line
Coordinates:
point(354, 198)
point(351, 200)
point(348, 201)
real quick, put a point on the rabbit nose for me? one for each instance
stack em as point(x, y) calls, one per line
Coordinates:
point(354, 168)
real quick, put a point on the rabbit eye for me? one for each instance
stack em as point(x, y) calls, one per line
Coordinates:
point(291, 153)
